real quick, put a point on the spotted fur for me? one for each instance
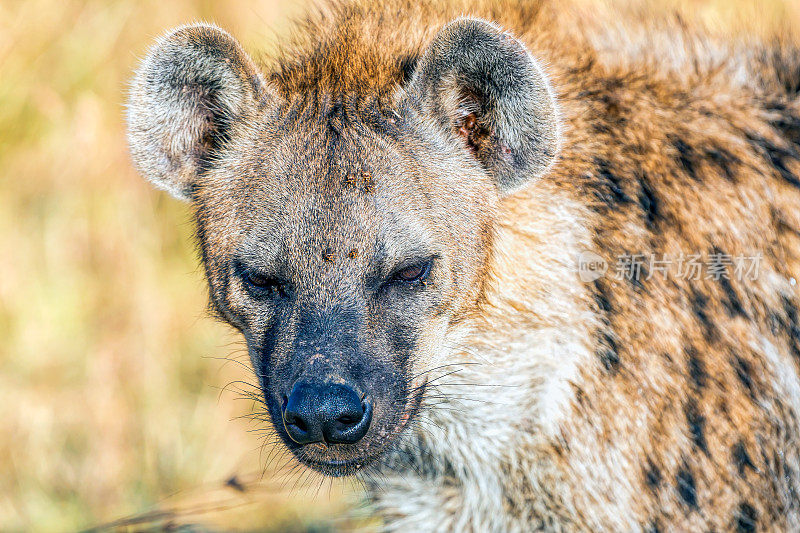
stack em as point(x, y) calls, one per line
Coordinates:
point(657, 403)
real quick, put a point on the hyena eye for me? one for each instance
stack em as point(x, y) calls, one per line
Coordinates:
point(415, 273)
point(265, 284)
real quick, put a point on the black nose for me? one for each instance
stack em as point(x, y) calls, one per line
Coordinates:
point(325, 412)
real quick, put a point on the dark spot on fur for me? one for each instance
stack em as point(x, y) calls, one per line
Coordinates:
point(732, 303)
point(637, 274)
point(580, 396)
point(685, 485)
point(741, 459)
point(744, 373)
point(652, 476)
point(654, 527)
point(369, 184)
point(723, 159)
point(789, 477)
point(722, 407)
point(774, 105)
point(601, 297)
point(561, 446)
point(746, 518)
point(785, 63)
point(696, 422)
point(791, 311)
point(611, 187)
point(699, 304)
point(687, 157)
point(600, 128)
point(649, 203)
point(791, 326)
point(610, 360)
point(789, 125)
point(608, 353)
point(786, 322)
point(697, 370)
point(776, 156)
point(775, 322)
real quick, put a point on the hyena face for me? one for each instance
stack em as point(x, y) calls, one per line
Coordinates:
point(339, 264)
point(343, 232)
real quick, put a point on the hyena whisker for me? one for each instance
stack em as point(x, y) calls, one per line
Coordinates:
point(229, 360)
point(425, 428)
point(307, 479)
point(254, 399)
point(424, 372)
point(255, 417)
point(253, 396)
point(257, 431)
point(451, 344)
point(448, 397)
point(319, 487)
point(375, 476)
point(425, 420)
point(286, 471)
point(298, 474)
point(264, 443)
point(260, 413)
point(237, 343)
point(233, 386)
point(446, 400)
point(431, 381)
point(276, 453)
point(402, 463)
point(256, 409)
point(438, 391)
point(254, 388)
point(442, 401)
point(497, 385)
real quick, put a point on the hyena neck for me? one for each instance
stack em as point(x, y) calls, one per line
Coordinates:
point(510, 374)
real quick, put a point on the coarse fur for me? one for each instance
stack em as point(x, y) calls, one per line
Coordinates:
point(511, 395)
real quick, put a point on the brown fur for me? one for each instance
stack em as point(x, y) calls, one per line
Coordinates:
point(686, 417)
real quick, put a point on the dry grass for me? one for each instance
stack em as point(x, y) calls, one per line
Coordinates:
point(109, 369)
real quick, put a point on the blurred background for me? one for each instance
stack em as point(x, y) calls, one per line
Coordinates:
point(113, 398)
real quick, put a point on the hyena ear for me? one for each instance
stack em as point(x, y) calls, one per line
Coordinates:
point(190, 89)
point(481, 83)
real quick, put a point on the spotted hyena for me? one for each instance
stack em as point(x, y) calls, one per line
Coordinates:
point(517, 265)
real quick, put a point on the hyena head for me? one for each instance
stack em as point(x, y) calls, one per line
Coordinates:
point(344, 230)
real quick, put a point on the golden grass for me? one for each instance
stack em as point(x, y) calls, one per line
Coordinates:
point(109, 367)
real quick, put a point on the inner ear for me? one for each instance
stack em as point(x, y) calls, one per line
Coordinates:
point(215, 119)
point(470, 123)
point(481, 84)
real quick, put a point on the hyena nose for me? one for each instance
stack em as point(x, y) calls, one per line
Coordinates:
point(325, 412)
